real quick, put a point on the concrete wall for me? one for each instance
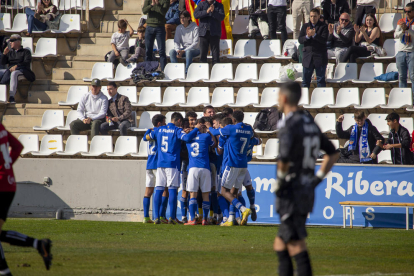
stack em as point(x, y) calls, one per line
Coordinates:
point(101, 189)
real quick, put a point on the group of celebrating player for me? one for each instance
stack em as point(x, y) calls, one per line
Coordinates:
point(209, 157)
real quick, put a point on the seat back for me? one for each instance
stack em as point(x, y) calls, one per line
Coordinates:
point(130, 92)
point(388, 22)
point(30, 142)
point(370, 70)
point(270, 96)
point(169, 45)
point(373, 97)
point(408, 123)
point(391, 47)
point(5, 21)
point(198, 95)
point(69, 22)
point(257, 150)
point(249, 118)
point(75, 93)
point(198, 71)
point(173, 71)
point(72, 116)
point(289, 23)
point(145, 121)
point(269, 71)
point(222, 95)
point(126, 144)
point(322, 96)
point(104, 90)
point(400, 97)
point(304, 98)
point(378, 120)
point(46, 46)
point(101, 144)
point(102, 70)
point(77, 143)
point(348, 121)
point(170, 113)
point(347, 96)
point(272, 147)
point(93, 4)
point(241, 24)
point(67, 4)
point(3, 93)
point(20, 22)
point(124, 72)
point(325, 121)
point(245, 47)
point(335, 142)
point(27, 43)
point(269, 48)
point(295, 41)
point(174, 95)
point(226, 47)
point(384, 157)
point(53, 118)
point(247, 95)
point(346, 71)
point(392, 67)
point(143, 148)
point(149, 95)
point(51, 144)
point(245, 71)
point(221, 71)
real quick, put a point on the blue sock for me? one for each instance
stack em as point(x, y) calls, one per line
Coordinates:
point(184, 206)
point(147, 201)
point(172, 202)
point(236, 212)
point(236, 203)
point(164, 207)
point(242, 201)
point(232, 210)
point(224, 206)
point(251, 195)
point(192, 205)
point(214, 202)
point(206, 209)
point(157, 201)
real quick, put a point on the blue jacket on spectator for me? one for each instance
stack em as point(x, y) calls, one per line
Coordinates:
point(173, 14)
point(209, 21)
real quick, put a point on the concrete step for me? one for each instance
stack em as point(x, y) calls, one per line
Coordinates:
point(92, 58)
point(71, 74)
point(25, 121)
point(39, 112)
point(83, 64)
point(93, 49)
point(17, 131)
point(46, 97)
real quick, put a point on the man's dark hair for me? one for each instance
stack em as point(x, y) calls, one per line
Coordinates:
point(207, 119)
point(176, 116)
point(316, 10)
point(410, 5)
point(293, 92)
point(122, 24)
point(201, 121)
point(207, 107)
point(113, 84)
point(185, 14)
point(226, 121)
point(141, 29)
point(393, 116)
point(227, 111)
point(218, 117)
point(191, 114)
point(159, 118)
point(238, 115)
point(359, 115)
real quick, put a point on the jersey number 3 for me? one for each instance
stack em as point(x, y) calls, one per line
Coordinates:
point(311, 146)
point(196, 149)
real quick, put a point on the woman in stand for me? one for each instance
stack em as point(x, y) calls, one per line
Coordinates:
point(37, 21)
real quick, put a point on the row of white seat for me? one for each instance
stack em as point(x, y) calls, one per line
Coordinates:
point(69, 23)
point(61, 4)
point(45, 46)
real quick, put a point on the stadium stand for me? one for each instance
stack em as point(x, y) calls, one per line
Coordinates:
point(148, 96)
point(75, 145)
point(271, 150)
point(100, 145)
point(197, 96)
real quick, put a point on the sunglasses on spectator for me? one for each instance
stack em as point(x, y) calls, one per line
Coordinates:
point(344, 20)
point(408, 11)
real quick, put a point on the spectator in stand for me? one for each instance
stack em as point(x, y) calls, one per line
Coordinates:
point(18, 60)
point(399, 141)
point(120, 42)
point(365, 142)
point(365, 7)
point(341, 36)
point(314, 36)
point(210, 14)
point(258, 20)
point(186, 41)
point(155, 11)
point(405, 56)
point(38, 21)
point(172, 18)
point(91, 111)
point(367, 35)
point(209, 111)
point(118, 115)
point(300, 9)
point(139, 50)
point(276, 16)
point(332, 10)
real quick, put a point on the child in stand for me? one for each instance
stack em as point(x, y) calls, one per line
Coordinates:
point(139, 46)
point(120, 42)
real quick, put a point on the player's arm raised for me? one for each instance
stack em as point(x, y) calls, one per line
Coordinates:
point(16, 147)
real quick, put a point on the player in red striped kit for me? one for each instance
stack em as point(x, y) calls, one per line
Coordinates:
point(7, 192)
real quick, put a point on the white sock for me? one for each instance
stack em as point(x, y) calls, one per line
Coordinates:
point(35, 244)
point(242, 208)
point(183, 217)
point(231, 218)
point(224, 219)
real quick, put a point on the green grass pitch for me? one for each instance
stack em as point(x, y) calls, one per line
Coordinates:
point(126, 248)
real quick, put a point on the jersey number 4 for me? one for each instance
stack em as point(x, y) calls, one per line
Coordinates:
point(6, 155)
point(311, 146)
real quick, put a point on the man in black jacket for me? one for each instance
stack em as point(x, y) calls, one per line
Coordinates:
point(258, 20)
point(332, 10)
point(18, 60)
point(399, 141)
point(314, 36)
point(365, 142)
point(341, 36)
point(210, 14)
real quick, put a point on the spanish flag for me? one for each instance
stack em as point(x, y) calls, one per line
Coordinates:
point(191, 5)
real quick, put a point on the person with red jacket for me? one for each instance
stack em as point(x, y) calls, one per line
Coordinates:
point(7, 192)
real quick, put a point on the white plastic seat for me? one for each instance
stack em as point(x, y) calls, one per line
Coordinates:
point(269, 98)
point(46, 47)
point(93, 5)
point(244, 48)
point(391, 48)
point(75, 145)
point(72, 116)
point(250, 117)
point(30, 143)
point(335, 142)
point(372, 98)
point(392, 67)
point(399, 98)
point(326, 122)
point(19, 24)
point(174, 71)
point(170, 113)
point(299, 73)
point(173, 96)
point(197, 72)
point(378, 120)
point(384, 157)
point(130, 92)
point(321, 97)
point(5, 21)
point(145, 121)
point(3, 94)
point(240, 24)
point(102, 71)
point(268, 49)
point(169, 45)
point(65, 5)
point(74, 95)
point(221, 72)
point(408, 123)
point(344, 72)
point(104, 90)
point(148, 96)
point(388, 22)
point(222, 96)
point(346, 97)
point(271, 150)
point(368, 72)
point(304, 98)
point(289, 24)
point(123, 73)
point(142, 150)
point(245, 72)
point(226, 48)
point(295, 41)
point(100, 145)
point(246, 96)
point(68, 23)
point(27, 43)
point(197, 96)
point(49, 146)
point(51, 119)
point(347, 122)
point(257, 150)
point(124, 146)
point(269, 72)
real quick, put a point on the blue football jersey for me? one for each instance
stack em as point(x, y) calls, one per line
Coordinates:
point(225, 156)
point(239, 136)
point(152, 152)
point(198, 151)
point(253, 142)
